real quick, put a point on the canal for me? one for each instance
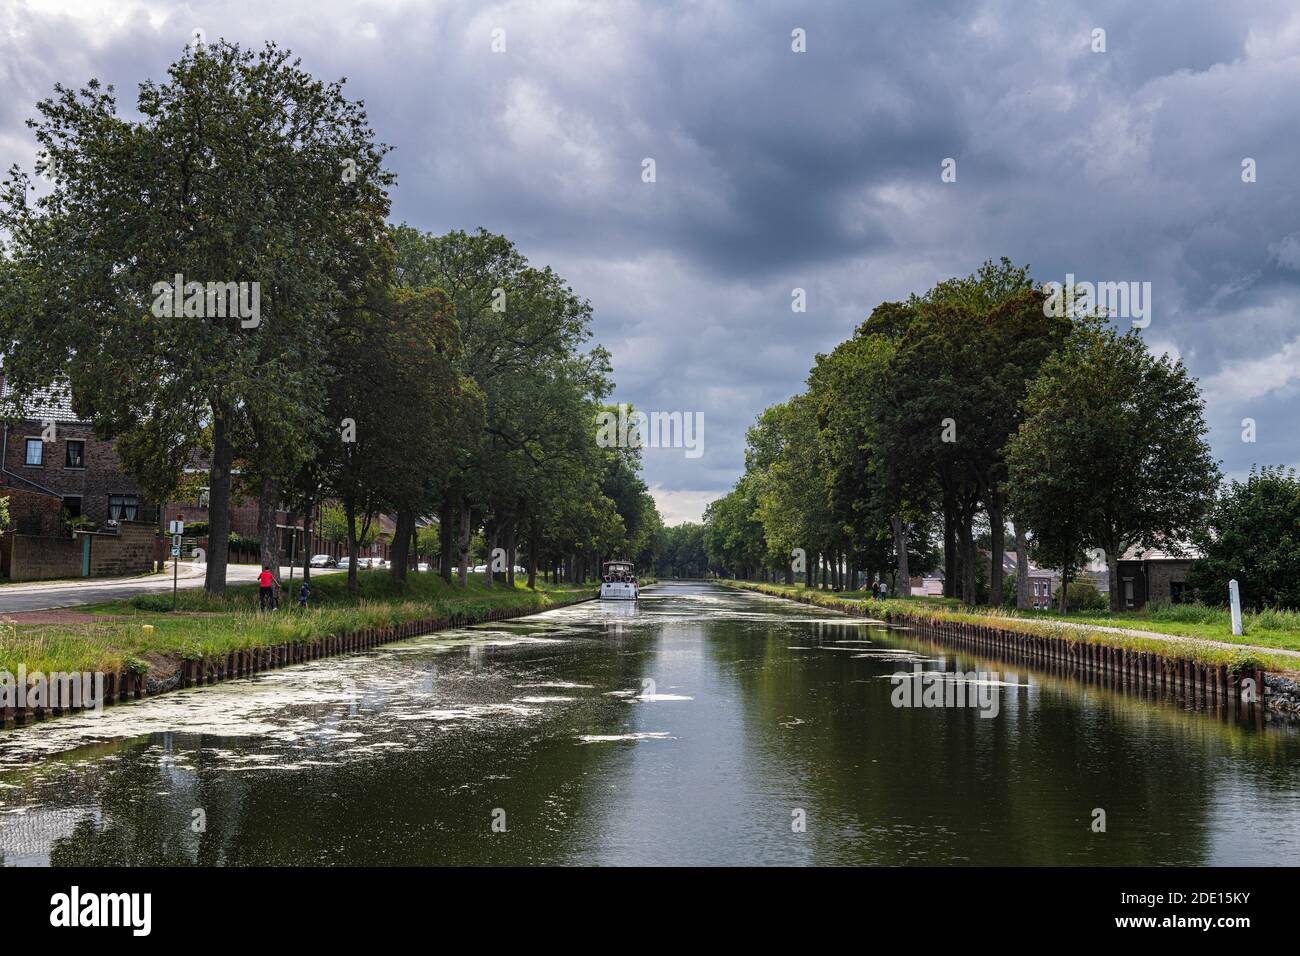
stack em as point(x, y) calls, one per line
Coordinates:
point(701, 726)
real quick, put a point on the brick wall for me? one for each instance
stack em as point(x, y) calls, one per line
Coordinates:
point(38, 559)
point(1164, 573)
point(33, 513)
point(130, 551)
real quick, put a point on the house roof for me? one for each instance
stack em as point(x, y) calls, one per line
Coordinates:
point(1179, 552)
point(53, 404)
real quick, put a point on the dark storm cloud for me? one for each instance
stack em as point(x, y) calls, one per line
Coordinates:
point(819, 170)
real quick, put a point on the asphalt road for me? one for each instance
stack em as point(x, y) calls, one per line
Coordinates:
point(40, 596)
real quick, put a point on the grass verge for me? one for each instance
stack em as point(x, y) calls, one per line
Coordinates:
point(137, 632)
point(1193, 648)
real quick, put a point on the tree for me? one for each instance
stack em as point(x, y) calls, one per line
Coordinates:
point(1252, 534)
point(1112, 452)
point(242, 173)
point(401, 409)
point(733, 536)
point(963, 361)
point(681, 552)
point(523, 333)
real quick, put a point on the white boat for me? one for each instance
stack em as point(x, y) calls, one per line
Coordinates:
point(618, 582)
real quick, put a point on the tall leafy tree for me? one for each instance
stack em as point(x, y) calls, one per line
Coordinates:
point(239, 168)
point(1112, 452)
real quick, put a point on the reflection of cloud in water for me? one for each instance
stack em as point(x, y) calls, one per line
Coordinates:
point(615, 738)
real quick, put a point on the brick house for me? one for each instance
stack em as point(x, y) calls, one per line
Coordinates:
point(51, 452)
point(1149, 575)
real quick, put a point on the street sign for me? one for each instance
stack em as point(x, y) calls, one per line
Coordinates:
point(176, 552)
point(176, 541)
point(176, 527)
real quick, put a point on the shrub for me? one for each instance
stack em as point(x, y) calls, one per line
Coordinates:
point(1244, 661)
point(1084, 596)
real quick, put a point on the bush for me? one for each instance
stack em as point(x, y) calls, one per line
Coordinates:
point(152, 602)
point(1244, 662)
point(1009, 591)
point(1084, 596)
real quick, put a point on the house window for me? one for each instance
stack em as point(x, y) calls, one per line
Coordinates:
point(1128, 592)
point(76, 454)
point(123, 507)
point(35, 452)
point(72, 505)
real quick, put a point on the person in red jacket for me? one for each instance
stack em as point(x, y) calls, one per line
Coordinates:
point(266, 589)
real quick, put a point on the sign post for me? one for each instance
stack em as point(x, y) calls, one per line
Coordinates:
point(177, 528)
point(1234, 597)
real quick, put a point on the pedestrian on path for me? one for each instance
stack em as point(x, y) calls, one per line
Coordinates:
point(304, 593)
point(266, 589)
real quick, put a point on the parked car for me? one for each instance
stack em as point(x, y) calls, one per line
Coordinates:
point(322, 561)
point(363, 564)
point(422, 566)
point(344, 563)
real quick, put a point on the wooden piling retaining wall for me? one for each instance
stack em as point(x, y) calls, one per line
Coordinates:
point(126, 685)
point(1212, 687)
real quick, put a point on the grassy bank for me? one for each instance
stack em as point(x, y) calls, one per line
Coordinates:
point(1196, 630)
point(139, 633)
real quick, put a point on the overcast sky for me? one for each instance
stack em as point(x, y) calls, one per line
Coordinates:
point(818, 170)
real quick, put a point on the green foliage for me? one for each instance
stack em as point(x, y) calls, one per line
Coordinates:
point(231, 170)
point(1252, 534)
point(1112, 452)
point(244, 541)
point(80, 523)
point(1009, 591)
point(973, 399)
point(214, 625)
point(391, 371)
point(1084, 596)
point(681, 552)
point(428, 541)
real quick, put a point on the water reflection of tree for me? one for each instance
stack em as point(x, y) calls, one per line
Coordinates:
point(887, 785)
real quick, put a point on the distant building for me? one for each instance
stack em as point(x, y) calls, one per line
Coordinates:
point(928, 585)
point(1043, 582)
point(1149, 575)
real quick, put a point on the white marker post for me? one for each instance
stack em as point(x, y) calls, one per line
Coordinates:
point(1234, 598)
point(177, 528)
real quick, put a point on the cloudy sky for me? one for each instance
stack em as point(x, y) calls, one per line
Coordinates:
point(819, 170)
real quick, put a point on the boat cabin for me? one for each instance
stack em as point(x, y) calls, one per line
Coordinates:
point(618, 571)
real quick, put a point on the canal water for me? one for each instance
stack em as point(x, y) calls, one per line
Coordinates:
point(700, 726)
